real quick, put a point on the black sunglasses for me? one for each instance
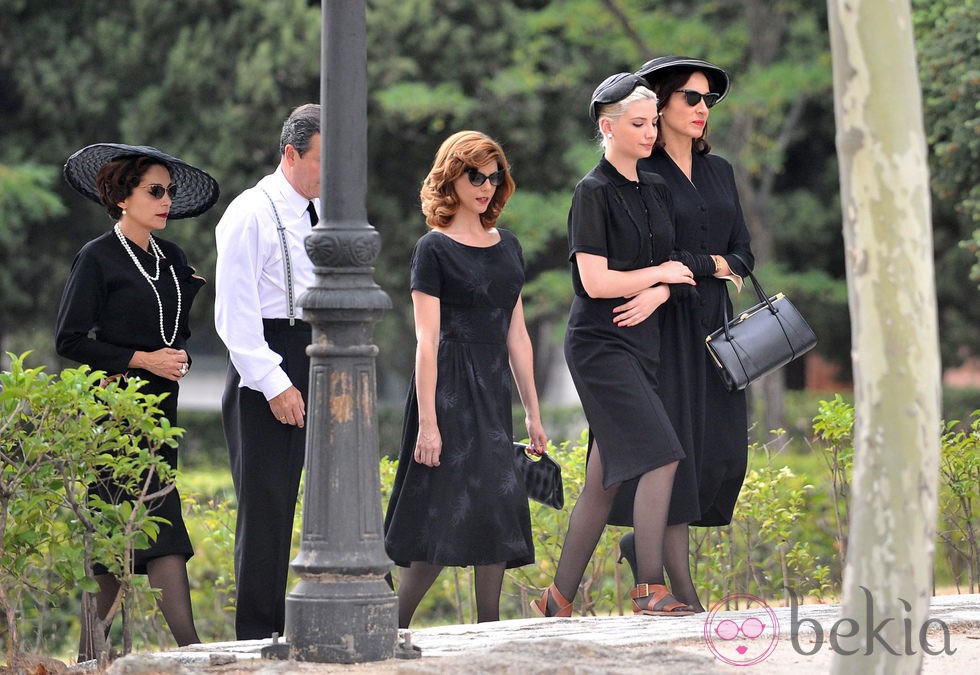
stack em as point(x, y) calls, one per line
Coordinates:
point(477, 179)
point(694, 97)
point(157, 191)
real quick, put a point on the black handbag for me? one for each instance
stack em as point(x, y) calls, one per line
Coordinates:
point(542, 477)
point(760, 340)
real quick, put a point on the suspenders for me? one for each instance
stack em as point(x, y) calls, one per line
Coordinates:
point(286, 262)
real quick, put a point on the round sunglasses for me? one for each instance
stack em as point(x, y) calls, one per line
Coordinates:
point(750, 628)
point(694, 97)
point(477, 179)
point(157, 191)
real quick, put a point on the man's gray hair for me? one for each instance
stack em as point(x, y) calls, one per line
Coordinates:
point(300, 127)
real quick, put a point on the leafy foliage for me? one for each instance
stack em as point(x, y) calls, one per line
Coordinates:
point(65, 439)
point(959, 500)
point(948, 57)
point(211, 80)
point(789, 535)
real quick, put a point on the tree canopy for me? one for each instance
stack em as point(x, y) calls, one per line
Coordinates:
point(211, 80)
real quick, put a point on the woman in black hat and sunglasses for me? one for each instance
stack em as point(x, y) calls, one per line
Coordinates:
point(714, 242)
point(124, 311)
point(620, 235)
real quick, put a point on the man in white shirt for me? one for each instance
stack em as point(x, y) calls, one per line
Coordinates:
point(262, 269)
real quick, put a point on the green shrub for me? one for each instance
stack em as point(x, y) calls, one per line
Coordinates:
point(789, 534)
point(61, 438)
point(959, 472)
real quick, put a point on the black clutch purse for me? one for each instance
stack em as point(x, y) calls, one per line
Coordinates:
point(542, 477)
point(760, 340)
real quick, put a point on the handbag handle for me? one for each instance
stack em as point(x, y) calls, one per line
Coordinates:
point(758, 291)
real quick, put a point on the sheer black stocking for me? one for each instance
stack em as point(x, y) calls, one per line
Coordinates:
point(489, 580)
point(650, 522)
point(585, 526)
point(677, 562)
point(169, 574)
point(413, 582)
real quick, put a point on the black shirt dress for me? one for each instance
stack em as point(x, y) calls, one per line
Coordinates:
point(709, 220)
point(614, 369)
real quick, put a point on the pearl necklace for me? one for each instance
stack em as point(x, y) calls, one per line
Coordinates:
point(157, 254)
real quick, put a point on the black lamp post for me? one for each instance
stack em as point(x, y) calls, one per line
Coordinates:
point(342, 610)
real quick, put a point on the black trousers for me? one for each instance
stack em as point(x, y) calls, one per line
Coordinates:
point(266, 464)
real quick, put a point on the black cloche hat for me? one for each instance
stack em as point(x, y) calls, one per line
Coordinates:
point(612, 89)
point(198, 190)
point(718, 79)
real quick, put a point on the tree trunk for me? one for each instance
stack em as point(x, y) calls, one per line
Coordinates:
point(891, 291)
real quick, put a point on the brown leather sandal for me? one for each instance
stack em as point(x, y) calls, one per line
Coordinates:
point(661, 602)
point(541, 604)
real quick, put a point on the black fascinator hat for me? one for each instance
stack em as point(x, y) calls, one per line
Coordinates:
point(198, 190)
point(613, 89)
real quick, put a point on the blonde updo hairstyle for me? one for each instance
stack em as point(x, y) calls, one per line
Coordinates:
point(461, 151)
point(613, 111)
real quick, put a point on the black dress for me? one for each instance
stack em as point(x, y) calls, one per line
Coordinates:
point(709, 220)
point(615, 369)
point(107, 297)
point(471, 509)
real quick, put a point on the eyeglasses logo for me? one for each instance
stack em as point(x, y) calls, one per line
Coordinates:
point(744, 640)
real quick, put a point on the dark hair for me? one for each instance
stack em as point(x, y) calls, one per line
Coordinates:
point(116, 180)
point(461, 151)
point(665, 83)
point(299, 128)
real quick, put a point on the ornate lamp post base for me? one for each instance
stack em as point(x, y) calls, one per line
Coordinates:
point(356, 611)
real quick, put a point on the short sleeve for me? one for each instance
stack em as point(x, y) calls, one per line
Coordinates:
point(426, 275)
point(587, 220)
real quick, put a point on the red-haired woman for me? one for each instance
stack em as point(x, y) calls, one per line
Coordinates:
point(457, 499)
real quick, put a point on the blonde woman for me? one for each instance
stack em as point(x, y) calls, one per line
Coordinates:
point(620, 235)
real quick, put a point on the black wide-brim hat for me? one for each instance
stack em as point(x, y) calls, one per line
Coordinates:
point(718, 80)
point(197, 192)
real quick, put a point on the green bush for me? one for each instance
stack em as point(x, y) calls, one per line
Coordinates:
point(61, 438)
point(789, 531)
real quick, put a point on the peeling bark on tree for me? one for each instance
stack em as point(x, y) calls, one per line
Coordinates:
point(891, 289)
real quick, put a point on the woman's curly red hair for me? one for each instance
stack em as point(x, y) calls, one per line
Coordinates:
point(461, 151)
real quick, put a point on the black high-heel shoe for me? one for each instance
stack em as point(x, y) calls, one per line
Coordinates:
point(627, 551)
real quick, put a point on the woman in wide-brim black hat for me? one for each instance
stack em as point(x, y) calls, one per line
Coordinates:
point(124, 311)
point(710, 233)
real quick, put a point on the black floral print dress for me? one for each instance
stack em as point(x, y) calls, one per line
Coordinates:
point(471, 509)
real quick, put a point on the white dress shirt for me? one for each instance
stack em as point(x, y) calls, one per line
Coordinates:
point(250, 280)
